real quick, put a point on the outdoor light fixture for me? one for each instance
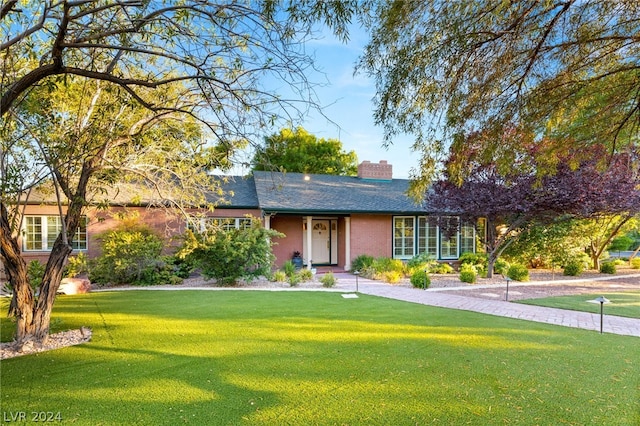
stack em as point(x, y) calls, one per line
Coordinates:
point(506, 297)
point(356, 273)
point(601, 300)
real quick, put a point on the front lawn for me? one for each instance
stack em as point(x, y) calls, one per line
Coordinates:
point(313, 358)
point(623, 304)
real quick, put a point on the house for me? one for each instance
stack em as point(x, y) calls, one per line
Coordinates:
point(329, 219)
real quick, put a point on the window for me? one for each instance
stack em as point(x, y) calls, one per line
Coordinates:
point(40, 232)
point(224, 223)
point(449, 238)
point(403, 237)
point(427, 237)
point(467, 238)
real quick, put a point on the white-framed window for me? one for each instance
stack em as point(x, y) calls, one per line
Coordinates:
point(448, 240)
point(403, 237)
point(222, 223)
point(467, 238)
point(40, 232)
point(427, 237)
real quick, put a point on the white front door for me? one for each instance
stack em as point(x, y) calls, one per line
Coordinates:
point(320, 241)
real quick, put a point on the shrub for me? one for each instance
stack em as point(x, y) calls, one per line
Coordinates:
point(419, 260)
point(362, 262)
point(573, 268)
point(289, 268)
point(293, 280)
point(35, 273)
point(479, 260)
point(328, 279)
point(441, 268)
point(501, 266)
point(392, 277)
point(518, 272)
point(279, 276)
point(77, 265)
point(305, 274)
point(468, 273)
point(420, 279)
point(385, 264)
point(129, 256)
point(635, 263)
point(228, 255)
point(608, 268)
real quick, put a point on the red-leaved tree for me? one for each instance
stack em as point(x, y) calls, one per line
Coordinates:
point(512, 200)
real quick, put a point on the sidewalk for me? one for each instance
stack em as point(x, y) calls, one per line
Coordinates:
point(611, 324)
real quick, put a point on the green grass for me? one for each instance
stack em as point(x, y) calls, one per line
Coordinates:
point(623, 304)
point(303, 358)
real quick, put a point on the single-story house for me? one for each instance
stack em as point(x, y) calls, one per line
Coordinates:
point(329, 220)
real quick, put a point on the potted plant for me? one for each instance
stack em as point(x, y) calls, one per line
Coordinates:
point(297, 259)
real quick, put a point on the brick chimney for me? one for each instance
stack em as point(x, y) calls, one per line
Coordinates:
point(378, 171)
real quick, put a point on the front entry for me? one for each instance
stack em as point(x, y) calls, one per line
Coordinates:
point(320, 241)
point(324, 242)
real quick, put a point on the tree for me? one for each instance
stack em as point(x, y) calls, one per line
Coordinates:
point(196, 67)
point(298, 151)
point(566, 72)
point(512, 202)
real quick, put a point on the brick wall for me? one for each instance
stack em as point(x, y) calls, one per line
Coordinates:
point(371, 234)
point(380, 171)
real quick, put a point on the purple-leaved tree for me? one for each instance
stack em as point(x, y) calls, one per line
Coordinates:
point(511, 201)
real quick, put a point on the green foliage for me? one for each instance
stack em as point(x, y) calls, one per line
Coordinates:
point(635, 263)
point(500, 266)
point(180, 267)
point(478, 260)
point(279, 276)
point(621, 243)
point(362, 262)
point(289, 268)
point(229, 255)
point(297, 151)
point(35, 272)
point(384, 268)
point(422, 262)
point(328, 280)
point(434, 84)
point(294, 280)
point(608, 268)
point(77, 265)
point(420, 279)
point(573, 268)
point(386, 264)
point(305, 274)
point(542, 246)
point(468, 273)
point(130, 255)
point(392, 277)
point(441, 268)
point(518, 272)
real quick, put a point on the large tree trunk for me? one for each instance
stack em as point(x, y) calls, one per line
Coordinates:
point(22, 301)
point(48, 290)
point(33, 315)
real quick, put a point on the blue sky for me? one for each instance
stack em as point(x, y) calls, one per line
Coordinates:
point(348, 102)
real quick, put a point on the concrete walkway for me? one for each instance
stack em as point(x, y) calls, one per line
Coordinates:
point(432, 297)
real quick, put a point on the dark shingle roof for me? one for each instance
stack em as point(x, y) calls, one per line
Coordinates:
point(290, 192)
point(239, 192)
